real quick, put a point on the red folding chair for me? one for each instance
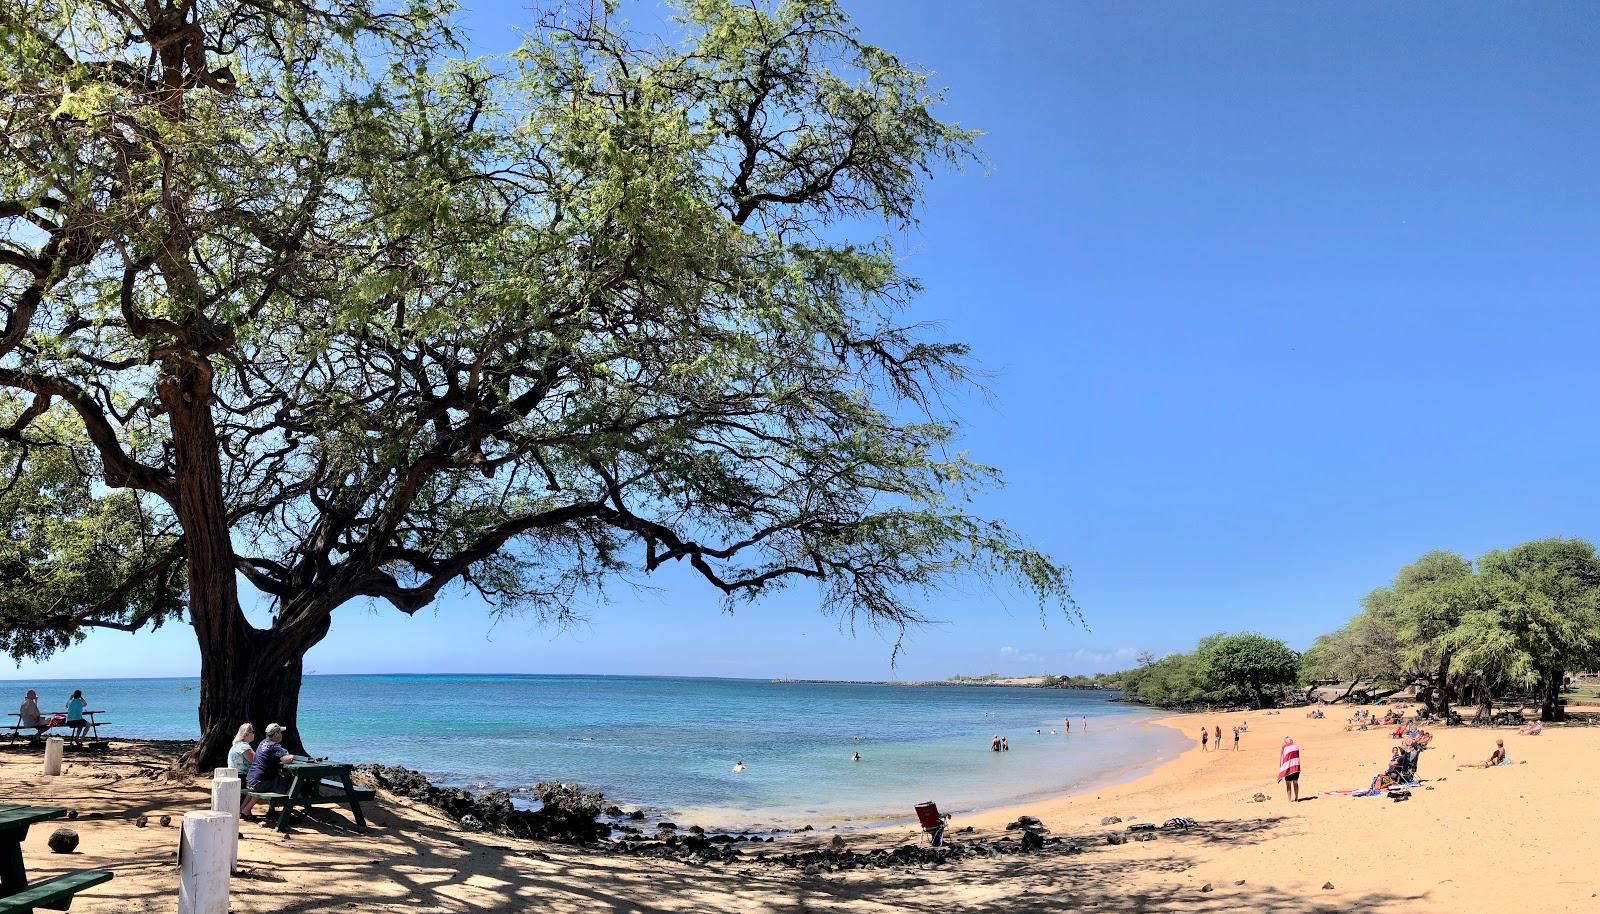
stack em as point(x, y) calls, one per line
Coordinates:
point(932, 821)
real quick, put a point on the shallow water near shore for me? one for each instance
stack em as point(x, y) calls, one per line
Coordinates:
point(668, 744)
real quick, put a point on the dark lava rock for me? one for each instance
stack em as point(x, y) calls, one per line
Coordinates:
point(1116, 837)
point(806, 828)
point(666, 826)
point(1110, 820)
point(696, 830)
point(72, 814)
point(165, 821)
point(1024, 822)
point(568, 813)
point(1259, 798)
point(1327, 885)
point(472, 822)
point(1206, 887)
point(1032, 841)
point(637, 815)
point(142, 821)
point(63, 841)
point(1144, 836)
point(613, 810)
point(1238, 882)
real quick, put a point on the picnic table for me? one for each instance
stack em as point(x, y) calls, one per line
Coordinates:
point(55, 893)
point(18, 726)
point(316, 783)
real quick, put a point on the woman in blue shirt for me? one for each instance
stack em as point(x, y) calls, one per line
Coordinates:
point(75, 706)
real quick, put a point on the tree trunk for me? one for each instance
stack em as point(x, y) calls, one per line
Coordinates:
point(1551, 709)
point(254, 680)
point(246, 674)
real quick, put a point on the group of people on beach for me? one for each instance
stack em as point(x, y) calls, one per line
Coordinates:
point(29, 717)
point(1205, 736)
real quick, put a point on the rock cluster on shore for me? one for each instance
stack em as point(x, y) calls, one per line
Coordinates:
point(570, 814)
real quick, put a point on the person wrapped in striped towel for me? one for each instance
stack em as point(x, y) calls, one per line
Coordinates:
point(1289, 769)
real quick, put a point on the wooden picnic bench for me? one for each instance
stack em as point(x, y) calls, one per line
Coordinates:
point(316, 784)
point(15, 728)
point(55, 893)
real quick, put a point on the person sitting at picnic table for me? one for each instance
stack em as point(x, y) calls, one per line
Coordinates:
point(75, 720)
point(28, 715)
point(240, 755)
point(266, 768)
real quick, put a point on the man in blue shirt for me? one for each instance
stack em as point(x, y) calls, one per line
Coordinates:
point(266, 772)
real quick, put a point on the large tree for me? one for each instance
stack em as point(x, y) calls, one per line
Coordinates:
point(1248, 665)
point(302, 307)
point(1543, 619)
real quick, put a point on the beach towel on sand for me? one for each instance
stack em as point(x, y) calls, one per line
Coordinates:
point(1289, 761)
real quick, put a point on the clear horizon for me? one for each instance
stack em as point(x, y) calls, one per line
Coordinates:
point(1271, 300)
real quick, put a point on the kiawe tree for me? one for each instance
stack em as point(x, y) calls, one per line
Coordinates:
point(1249, 665)
point(303, 308)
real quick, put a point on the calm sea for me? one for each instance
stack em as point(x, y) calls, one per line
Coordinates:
point(668, 743)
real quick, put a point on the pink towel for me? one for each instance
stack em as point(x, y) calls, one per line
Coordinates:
point(1289, 761)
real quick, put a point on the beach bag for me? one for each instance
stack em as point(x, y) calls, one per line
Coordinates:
point(1180, 822)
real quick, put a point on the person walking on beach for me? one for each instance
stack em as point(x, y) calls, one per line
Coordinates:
point(1289, 769)
point(1205, 739)
point(1236, 739)
point(1219, 737)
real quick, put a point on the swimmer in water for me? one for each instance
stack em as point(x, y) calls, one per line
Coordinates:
point(738, 767)
point(855, 757)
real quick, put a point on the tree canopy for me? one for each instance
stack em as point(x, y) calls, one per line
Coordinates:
point(297, 294)
point(1222, 668)
point(1521, 619)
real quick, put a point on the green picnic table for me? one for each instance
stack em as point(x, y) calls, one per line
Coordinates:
point(55, 893)
point(314, 783)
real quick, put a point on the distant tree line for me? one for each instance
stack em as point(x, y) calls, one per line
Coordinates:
point(1515, 623)
point(1222, 669)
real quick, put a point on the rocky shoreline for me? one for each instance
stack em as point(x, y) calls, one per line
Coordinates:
point(572, 815)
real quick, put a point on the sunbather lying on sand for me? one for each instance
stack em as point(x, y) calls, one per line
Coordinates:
point(1533, 729)
point(1496, 757)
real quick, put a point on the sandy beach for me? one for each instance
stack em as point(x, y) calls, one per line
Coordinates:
point(1510, 839)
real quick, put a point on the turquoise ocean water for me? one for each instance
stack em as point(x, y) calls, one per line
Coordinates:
point(668, 743)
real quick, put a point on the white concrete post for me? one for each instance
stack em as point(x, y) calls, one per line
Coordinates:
point(203, 862)
point(225, 789)
point(53, 747)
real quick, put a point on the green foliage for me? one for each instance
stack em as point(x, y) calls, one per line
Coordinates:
point(1222, 669)
point(68, 554)
point(1251, 665)
point(1522, 619)
point(344, 313)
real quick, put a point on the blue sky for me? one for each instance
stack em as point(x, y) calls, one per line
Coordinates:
point(1273, 297)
